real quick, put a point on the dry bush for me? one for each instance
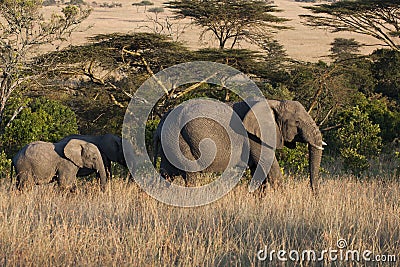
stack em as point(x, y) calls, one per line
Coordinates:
point(126, 227)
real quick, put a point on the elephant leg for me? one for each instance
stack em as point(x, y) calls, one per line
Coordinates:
point(23, 180)
point(168, 171)
point(18, 182)
point(103, 180)
point(167, 175)
point(66, 181)
point(108, 170)
point(275, 176)
point(262, 189)
point(190, 178)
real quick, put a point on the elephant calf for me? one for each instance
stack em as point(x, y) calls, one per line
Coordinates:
point(110, 147)
point(42, 162)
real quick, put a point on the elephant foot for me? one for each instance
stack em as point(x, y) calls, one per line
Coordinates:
point(275, 181)
point(169, 178)
point(190, 179)
point(68, 189)
point(73, 189)
point(103, 188)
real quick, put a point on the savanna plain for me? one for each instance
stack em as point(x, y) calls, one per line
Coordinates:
point(124, 226)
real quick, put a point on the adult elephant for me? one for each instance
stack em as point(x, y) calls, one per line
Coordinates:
point(292, 124)
point(110, 147)
point(42, 162)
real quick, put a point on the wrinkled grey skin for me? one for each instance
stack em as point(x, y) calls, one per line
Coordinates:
point(293, 124)
point(110, 147)
point(42, 163)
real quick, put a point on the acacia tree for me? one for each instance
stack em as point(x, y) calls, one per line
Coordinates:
point(24, 32)
point(377, 18)
point(343, 48)
point(230, 19)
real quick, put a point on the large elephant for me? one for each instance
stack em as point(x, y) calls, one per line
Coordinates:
point(292, 124)
point(42, 162)
point(110, 147)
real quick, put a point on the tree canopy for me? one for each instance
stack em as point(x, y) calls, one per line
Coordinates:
point(25, 31)
point(230, 19)
point(377, 18)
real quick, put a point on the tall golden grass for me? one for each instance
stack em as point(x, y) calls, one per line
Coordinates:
point(126, 227)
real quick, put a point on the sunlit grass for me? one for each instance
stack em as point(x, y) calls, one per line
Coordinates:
point(125, 226)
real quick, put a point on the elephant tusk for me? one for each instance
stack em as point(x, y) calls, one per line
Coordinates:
point(317, 147)
point(324, 144)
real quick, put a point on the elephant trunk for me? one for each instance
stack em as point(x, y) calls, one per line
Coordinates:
point(103, 176)
point(313, 137)
point(315, 155)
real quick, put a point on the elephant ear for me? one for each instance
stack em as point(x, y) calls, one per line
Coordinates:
point(73, 151)
point(113, 148)
point(277, 109)
point(252, 123)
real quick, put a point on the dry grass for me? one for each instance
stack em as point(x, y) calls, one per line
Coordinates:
point(126, 227)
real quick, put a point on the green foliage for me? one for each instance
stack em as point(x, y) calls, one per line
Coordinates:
point(357, 139)
point(42, 119)
point(397, 155)
point(328, 89)
point(382, 112)
point(295, 160)
point(275, 54)
point(99, 100)
point(25, 33)
point(77, 2)
point(5, 165)
point(146, 3)
point(353, 161)
point(280, 92)
point(156, 10)
point(241, 59)
point(49, 3)
point(343, 48)
point(151, 126)
point(386, 69)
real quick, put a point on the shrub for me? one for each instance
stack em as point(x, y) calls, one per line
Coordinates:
point(49, 3)
point(42, 119)
point(77, 2)
point(397, 155)
point(293, 161)
point(5, 164)
point(151, 126)
point(357, 140)
point(156, 10)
